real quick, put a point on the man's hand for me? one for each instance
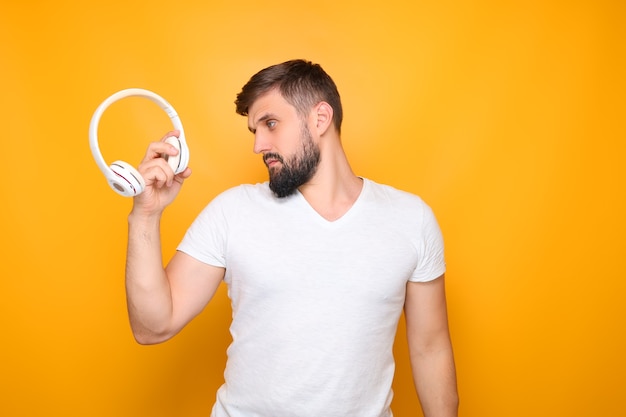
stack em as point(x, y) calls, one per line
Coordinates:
point(162, 185)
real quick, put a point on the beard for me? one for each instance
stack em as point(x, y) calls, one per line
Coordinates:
point(298, 170)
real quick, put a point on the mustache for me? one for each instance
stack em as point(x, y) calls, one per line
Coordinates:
point(271, 155)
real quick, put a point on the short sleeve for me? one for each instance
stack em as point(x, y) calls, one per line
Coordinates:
point(430, 249)
point(206, 238)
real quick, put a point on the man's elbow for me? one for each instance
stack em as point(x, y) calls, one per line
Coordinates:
point(147, 337)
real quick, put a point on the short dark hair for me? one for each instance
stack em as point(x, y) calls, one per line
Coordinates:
point(302, 83)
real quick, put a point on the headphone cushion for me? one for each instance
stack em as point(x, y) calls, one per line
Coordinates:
point(175, 161)
point(127, 181)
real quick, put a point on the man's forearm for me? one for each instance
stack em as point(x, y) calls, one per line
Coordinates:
point(435, 380)
point(147, 288)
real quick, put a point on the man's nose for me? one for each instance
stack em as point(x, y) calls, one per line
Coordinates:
point(261, 144)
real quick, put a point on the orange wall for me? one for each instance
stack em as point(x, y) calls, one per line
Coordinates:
point(506, 117)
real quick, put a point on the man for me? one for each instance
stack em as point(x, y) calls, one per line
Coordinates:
point(319, 265)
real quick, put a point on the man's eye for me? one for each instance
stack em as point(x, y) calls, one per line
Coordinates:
point(271, 124)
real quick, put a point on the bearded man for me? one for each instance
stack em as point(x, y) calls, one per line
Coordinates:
point(320, 263)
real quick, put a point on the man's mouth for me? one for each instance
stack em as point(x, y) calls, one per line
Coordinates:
point(271, 160)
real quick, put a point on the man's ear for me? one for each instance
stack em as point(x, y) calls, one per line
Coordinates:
point(323, 113)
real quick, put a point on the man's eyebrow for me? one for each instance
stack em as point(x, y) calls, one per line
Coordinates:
point(261, 119)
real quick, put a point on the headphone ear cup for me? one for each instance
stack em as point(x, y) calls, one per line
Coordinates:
point(184, 156)
point(126, 181)
point(177, 162)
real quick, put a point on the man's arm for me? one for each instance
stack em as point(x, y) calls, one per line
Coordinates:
point(430, 348)
point(161, 301)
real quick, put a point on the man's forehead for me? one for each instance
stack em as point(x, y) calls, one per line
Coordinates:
point(271, 103)
point(268, 99)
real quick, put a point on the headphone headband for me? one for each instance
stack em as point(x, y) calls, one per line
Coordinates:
point(124, 179)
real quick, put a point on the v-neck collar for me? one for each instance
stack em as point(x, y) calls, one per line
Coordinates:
point(345, 217)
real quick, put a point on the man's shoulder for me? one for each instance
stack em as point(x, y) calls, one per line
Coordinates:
point(385, 192)
point(245, 191)
point(406, 210)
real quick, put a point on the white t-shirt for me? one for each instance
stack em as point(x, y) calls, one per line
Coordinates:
point(315, 303)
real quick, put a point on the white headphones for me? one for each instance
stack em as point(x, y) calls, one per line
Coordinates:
point(122, 177)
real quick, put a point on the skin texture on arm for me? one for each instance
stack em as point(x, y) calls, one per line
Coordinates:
point(161, 301)
point(430, 348)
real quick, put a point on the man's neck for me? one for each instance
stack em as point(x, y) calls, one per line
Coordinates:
point(334, 188)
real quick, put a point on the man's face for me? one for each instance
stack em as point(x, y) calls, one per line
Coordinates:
point(288, 147)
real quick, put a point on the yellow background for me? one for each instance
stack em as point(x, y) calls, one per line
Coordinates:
point(506, 117)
